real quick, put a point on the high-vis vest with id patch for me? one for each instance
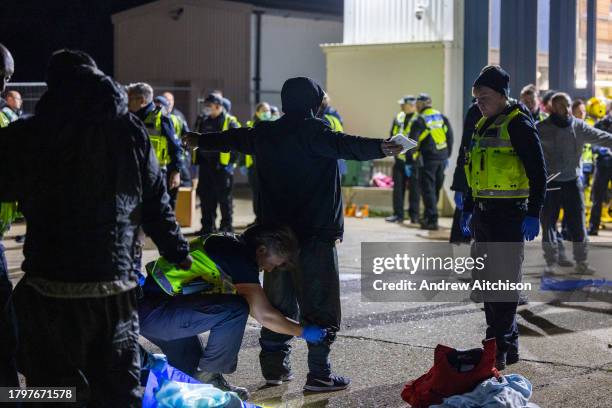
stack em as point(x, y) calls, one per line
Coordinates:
point(493, 168)
point(434, 127)
point(159, 142)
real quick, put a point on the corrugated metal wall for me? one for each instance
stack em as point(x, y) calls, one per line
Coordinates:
point(206, 47)
point(395, 21)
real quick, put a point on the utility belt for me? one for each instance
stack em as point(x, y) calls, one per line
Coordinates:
point(501, 204)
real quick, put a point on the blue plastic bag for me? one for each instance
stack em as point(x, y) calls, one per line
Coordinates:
point(156, 378)
point(169, 387)
point(174, 394)
point(568, 285)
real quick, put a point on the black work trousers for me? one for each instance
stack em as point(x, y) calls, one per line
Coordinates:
point(87, 343)
point(603, 175)
point(497, 232)
point(311, 291)
point(567, 195)
point(215, 189)
point(399, 190)
point(432, 178)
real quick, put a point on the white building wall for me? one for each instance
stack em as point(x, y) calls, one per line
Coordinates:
point(290, 48)
point(206, 47)
point(395, 21)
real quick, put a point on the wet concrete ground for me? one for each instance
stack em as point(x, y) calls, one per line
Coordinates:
point(566, 348)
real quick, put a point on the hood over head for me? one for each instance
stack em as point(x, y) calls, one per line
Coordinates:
point(301, 97)
point(78, 89)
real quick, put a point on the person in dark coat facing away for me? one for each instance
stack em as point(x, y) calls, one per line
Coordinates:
point(86, 177)
point(299, 181)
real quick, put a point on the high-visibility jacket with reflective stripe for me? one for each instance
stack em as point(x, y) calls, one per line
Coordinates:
point(334, 123)
point(224, 157)
point(434, 126)
point(159, 142)
point(493, 168)
point(177, 124)
point(398, 128)
point(204, 276)
point(398, 123)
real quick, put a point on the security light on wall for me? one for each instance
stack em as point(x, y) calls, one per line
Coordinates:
point(176, 13)
point(420, 9)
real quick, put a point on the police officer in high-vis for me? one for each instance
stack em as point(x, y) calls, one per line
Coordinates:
point(404, 168)
point(216, 176)
point(434, 137)
point(506, 177)
point(166, 144)
point(11, 111)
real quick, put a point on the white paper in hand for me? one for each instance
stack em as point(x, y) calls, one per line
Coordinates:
point(405, 142)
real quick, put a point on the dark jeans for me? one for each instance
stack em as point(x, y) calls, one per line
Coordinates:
point(215, 189)
point(8, 328)
point(570, 198)
point(399, 190)
point(314, 285)
point(603, 175)
point(174, 323)
point(432, 178)
point(87, 343)
point(252, 178)
point(500, 223)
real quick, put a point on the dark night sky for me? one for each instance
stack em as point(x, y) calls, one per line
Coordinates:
point(33, 29)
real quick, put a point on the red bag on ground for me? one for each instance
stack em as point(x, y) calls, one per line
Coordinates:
point(445, 379)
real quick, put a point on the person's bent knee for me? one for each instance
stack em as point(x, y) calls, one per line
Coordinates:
point(237, 305)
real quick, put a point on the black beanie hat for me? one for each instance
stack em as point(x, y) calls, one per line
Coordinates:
point(496, 78)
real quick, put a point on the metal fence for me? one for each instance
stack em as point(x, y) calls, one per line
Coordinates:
point(30, 93)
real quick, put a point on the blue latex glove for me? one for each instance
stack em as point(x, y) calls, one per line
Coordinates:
point(466, 224)
point(159, 366)
point(603, 151)
point(459, 200)
point(531, 227)
point(445, 164)
point(229, 168)
point(243, 170)
point(141, 279)
point(313, 334)
point(408, 170)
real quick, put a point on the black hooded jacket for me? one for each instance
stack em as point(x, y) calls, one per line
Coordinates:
point(296, 162)
point(85, 176)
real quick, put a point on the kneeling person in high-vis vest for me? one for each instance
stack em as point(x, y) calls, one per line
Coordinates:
point(216, 295)
point(506, 177)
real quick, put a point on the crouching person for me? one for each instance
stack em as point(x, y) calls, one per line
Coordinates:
point(216, 295)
